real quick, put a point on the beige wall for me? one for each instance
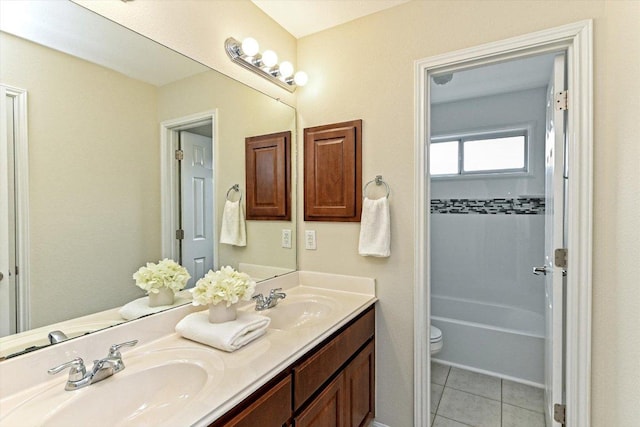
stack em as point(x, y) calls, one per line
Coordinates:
point(94, 192)
point(240, 112)
point(364, 69)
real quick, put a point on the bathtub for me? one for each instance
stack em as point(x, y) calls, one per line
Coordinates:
point(502, 341)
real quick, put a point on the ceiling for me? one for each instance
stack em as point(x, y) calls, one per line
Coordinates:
point(494, 79)
point(304, 17)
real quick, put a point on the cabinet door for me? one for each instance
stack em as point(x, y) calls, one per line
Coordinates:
point(328, 409)
point(272, 409)
point(360, 388)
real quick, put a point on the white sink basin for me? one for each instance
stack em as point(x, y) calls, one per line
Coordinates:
point(296, 311)
point(155, 389)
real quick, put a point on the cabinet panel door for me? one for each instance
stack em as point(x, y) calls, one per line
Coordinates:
point(333, 172)
point(317, 369)
point(328, 409)
point(360, 387)
point(268, 176)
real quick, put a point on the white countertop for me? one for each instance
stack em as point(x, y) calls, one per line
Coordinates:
point(232, 376)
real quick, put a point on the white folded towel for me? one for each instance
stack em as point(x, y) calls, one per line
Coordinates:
point(140, 307)
point(233, 231)
point(227, 336)
point(375, 228)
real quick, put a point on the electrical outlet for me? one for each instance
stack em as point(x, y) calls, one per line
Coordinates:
point(286, 238)
point(310, 239)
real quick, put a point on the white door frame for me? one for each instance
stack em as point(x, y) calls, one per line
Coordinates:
point(21, 184)
point(577, 40)
point(169, 180)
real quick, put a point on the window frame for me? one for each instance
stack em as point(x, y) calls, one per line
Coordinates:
point(494, 133)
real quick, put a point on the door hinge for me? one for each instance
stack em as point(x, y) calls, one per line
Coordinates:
point(562, 103)
point(180, 234)
point(16, 271)
point(560, 258)
point(560, 413)
point(179, 155)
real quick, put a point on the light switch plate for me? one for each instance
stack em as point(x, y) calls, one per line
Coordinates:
point(286, 238)
point(310, 239)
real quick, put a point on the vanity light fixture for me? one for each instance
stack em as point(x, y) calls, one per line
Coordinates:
point(247, 54)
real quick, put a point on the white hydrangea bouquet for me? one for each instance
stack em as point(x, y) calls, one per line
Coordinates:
point(165, 274)
point(226, 285)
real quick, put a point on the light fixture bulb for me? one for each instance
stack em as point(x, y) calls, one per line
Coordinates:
point(250, 46)
point(286, 68)
point(269, 58)
point(301, 78)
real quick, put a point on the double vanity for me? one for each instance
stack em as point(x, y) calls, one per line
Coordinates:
point(315, 361)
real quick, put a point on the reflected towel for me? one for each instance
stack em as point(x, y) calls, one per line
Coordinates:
point(227, 336)
point(233, 231)
point(140, 307)
point(375, 228)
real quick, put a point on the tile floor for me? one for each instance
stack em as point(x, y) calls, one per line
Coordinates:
point(461, 398)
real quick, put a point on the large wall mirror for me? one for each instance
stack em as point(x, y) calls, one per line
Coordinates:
point(102, 100)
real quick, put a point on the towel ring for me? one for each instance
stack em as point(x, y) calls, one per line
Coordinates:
point(378, 181)
point(236, 188)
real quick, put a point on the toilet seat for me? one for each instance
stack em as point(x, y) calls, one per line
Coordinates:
point(435, 339)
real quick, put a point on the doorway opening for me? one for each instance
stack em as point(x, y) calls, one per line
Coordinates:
point(14, 212)
point(188, 193)
point(465, 165)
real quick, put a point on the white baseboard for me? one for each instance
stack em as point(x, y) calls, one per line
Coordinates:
point(377, 424)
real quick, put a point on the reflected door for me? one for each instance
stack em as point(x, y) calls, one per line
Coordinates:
point(196, 180)
point(554, 239)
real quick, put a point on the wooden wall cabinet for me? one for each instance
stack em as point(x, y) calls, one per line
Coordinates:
point(333, 172)
point(268, 176)
point(331, 386)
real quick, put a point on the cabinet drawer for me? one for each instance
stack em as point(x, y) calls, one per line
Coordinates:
point(272, 409)
point(309, 376)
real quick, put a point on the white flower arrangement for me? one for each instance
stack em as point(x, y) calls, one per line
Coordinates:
point(225, 284)
point(165, 274)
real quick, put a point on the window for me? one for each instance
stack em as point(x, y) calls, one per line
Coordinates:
point(487, 153)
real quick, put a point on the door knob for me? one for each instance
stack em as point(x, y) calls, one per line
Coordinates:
point(540, 270)
point(1, 276)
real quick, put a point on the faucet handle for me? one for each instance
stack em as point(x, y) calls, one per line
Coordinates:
point(77, 372)
point(258, 297)
point(114, 349)
point(272, 292)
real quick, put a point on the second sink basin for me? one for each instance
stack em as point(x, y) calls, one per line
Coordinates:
point(297, 311)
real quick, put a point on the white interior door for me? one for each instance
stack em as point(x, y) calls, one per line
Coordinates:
point(7, 225)
point(554, 239)
point(196, 180)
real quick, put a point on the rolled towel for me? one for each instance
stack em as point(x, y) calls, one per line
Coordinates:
point(233, 230)
point(375, 228)
point(140, 307)
point(227, 336)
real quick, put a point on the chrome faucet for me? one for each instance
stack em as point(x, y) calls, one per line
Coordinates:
point(271, 301)
point(103, 368)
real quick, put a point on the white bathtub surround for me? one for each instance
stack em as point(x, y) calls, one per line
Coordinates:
point(236, 375)
point(498, 340)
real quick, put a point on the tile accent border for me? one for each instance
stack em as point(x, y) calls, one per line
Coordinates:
point(517, 206)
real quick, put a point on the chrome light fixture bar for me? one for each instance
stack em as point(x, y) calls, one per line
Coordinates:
point(246, 54)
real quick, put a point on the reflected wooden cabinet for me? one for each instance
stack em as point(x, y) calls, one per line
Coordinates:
point(331, 386)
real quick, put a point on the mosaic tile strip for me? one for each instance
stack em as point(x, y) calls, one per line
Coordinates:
point(519, 206)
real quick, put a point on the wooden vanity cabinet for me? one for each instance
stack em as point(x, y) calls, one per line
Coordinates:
point(333, 385)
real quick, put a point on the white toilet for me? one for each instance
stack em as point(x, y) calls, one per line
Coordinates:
point(436, 340)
